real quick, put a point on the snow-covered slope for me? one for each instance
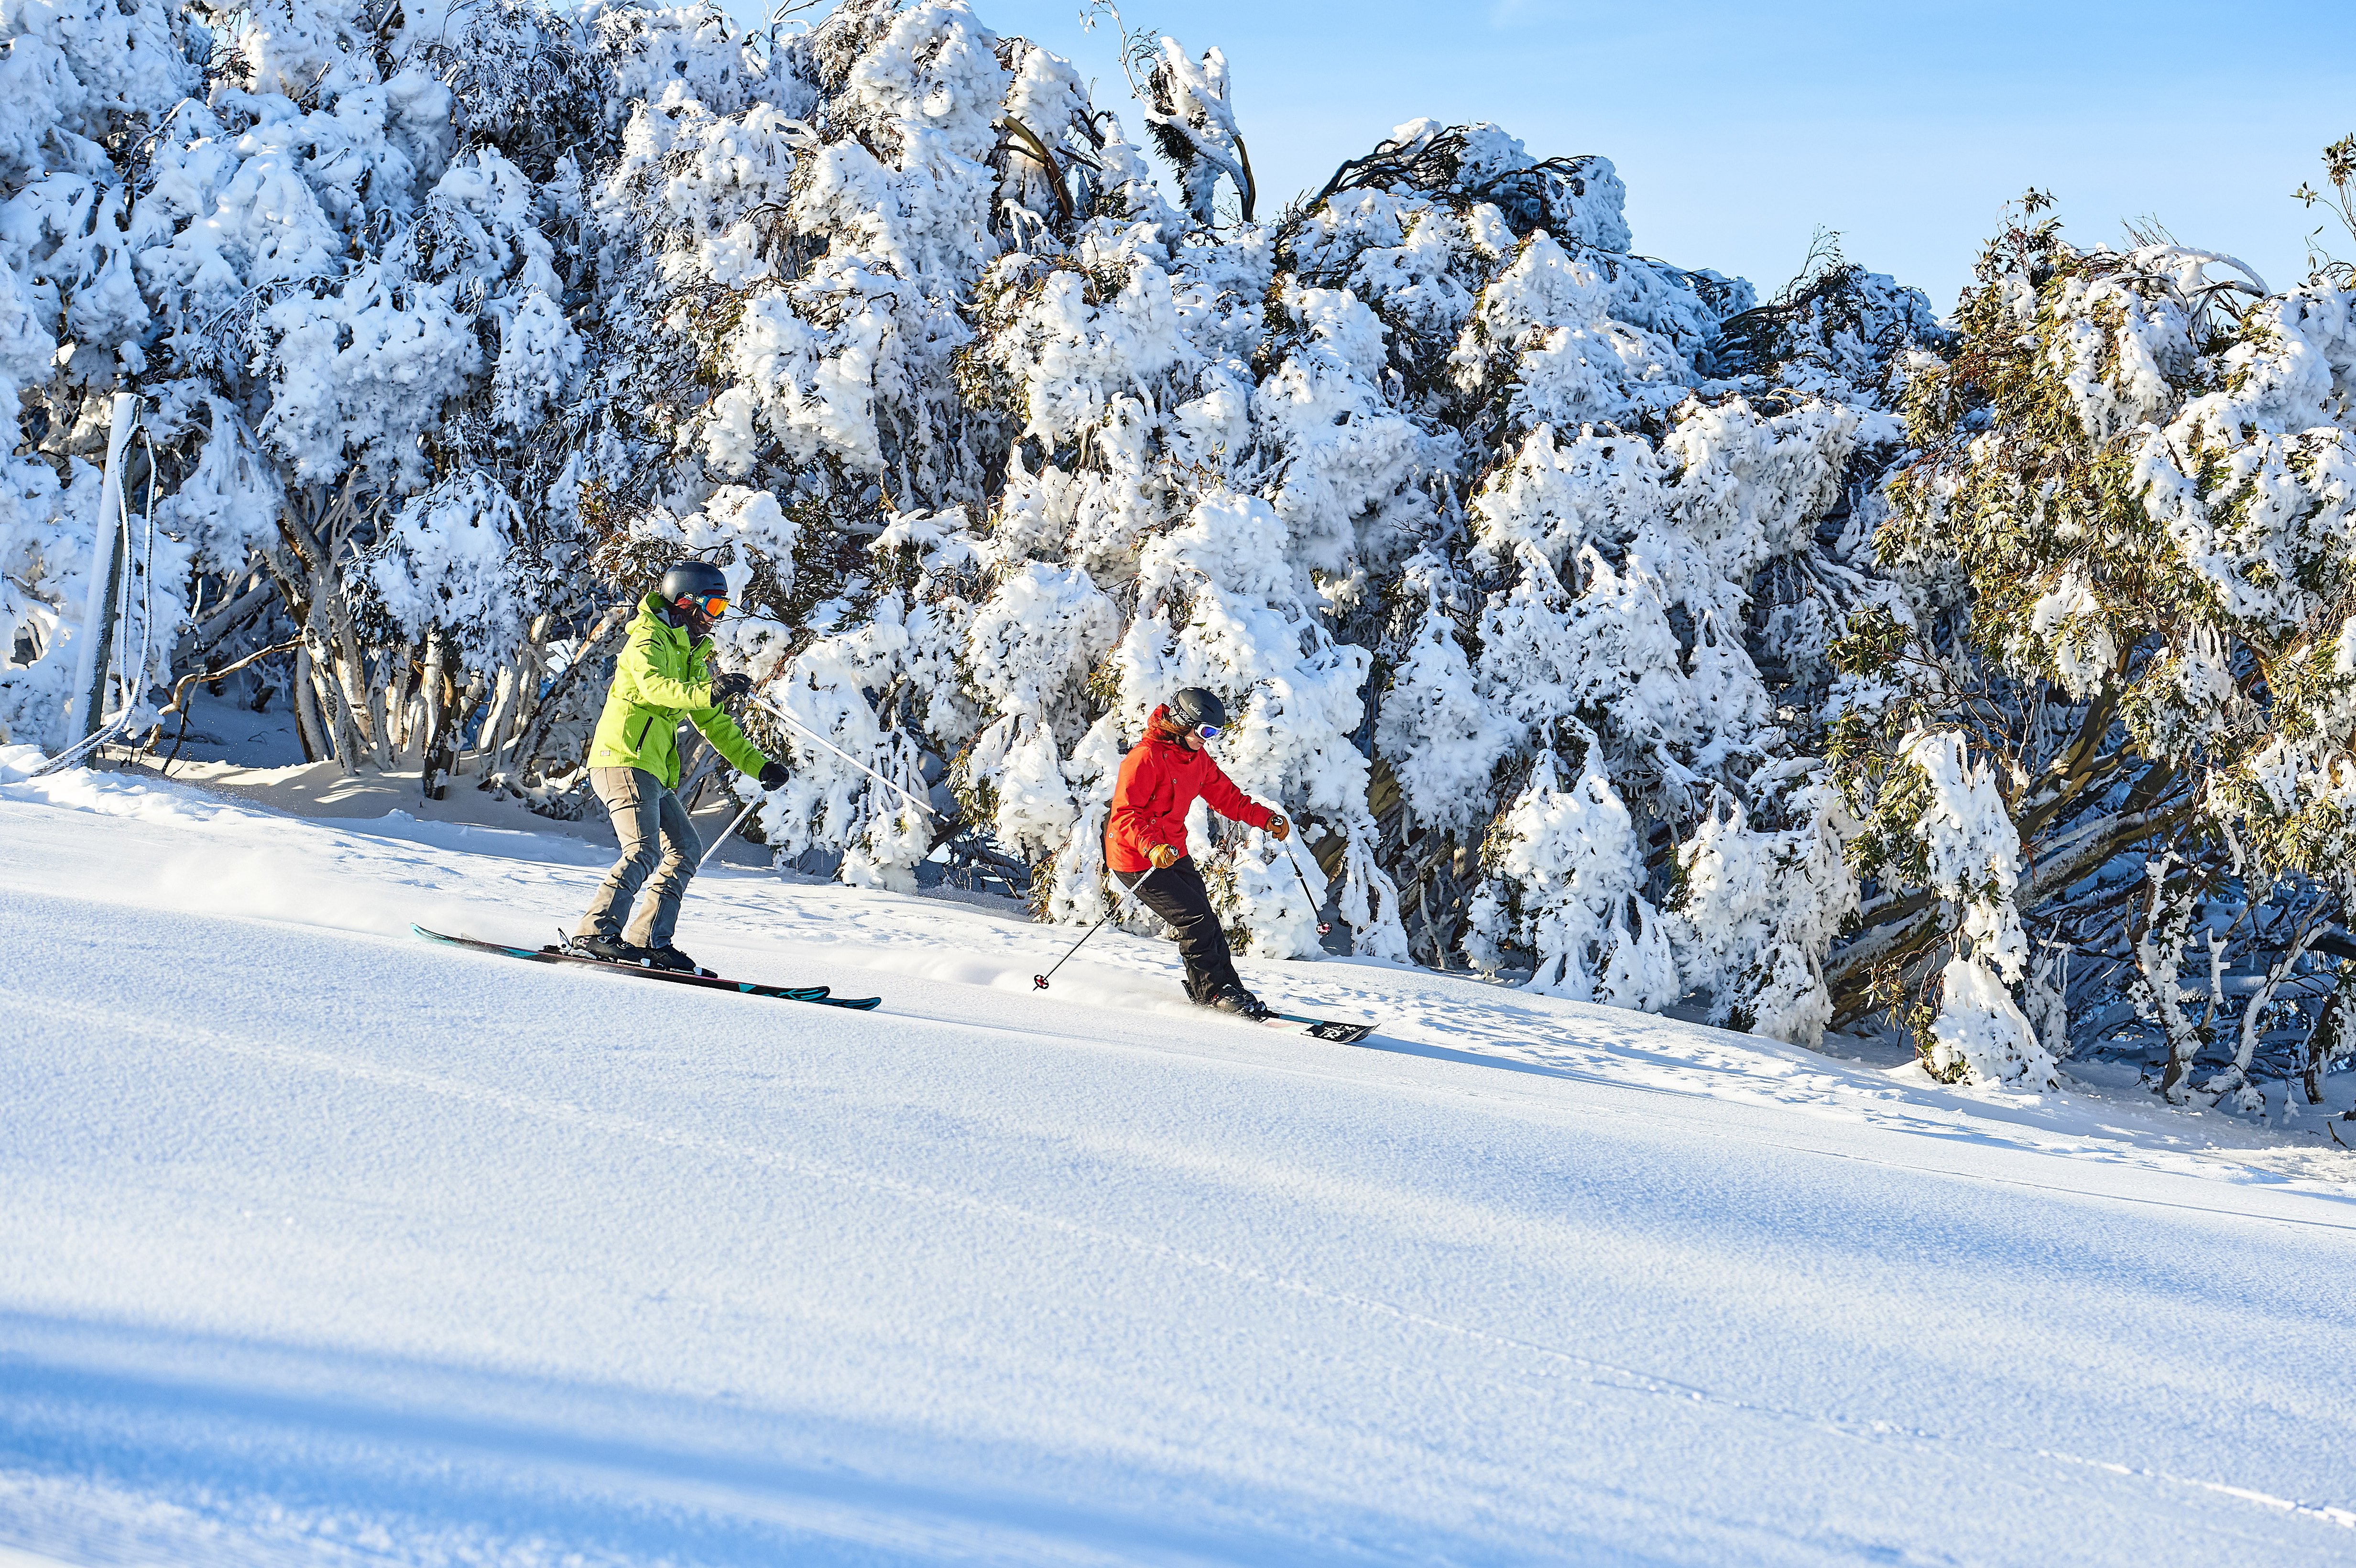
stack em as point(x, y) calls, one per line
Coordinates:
point(322, 1244)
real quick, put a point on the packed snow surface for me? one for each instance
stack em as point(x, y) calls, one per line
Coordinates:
point(323, 1245)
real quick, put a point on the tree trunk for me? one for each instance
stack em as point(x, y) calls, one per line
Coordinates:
point(2328, 1037)
point(532, 670)
point(434, 770)
point(377, 726)
point(501, 718)
point(349, 677)
point(545, 709)
point(399, 696)
point(305, 695)
point(344, 731)
point(469, 704)
point(2254, 1013)
point(2158, 950)
point(327, 626)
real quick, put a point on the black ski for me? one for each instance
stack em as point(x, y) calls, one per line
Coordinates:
point(710, 981)
point(1317, 1029)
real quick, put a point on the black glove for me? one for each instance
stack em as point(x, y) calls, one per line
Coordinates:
point(728, 686)
point(772, 774)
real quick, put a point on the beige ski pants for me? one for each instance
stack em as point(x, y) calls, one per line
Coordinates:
point(657, 840)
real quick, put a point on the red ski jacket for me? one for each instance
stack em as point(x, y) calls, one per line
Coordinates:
point(1160, 779)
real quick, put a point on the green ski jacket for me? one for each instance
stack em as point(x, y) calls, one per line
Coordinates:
point(659, 679)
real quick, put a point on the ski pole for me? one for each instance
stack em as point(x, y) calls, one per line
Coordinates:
point(1039, 982)
point(1316, 905)
point(732, 828)
point(775, 712)
point(806, 729)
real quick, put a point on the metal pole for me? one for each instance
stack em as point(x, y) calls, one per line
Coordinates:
point(725, 832)
point(1039, 982)
point(1316, 905)
point(775, 712)
point(98, 595)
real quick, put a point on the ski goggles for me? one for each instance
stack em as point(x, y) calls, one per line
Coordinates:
point(1208, 731)
point(712, 606)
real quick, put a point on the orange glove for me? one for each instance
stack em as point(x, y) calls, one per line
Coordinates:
point(1161, 857)
point(1280, 828)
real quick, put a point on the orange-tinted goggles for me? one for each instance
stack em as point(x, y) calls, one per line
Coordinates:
point(710, 606)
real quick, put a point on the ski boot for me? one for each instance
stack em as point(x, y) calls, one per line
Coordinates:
point(671, 958)
point(1237, 1000)
point(611, 950)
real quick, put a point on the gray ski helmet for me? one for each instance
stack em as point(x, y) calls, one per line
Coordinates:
point(699, 579)
point(1194, 707)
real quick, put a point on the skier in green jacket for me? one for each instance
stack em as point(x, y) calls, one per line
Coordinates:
point(660, 678)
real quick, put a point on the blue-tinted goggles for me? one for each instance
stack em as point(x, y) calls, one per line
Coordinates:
point(1208, 731)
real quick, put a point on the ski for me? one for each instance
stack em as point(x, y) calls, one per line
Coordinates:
point(707, 980)
point(1317, 1029)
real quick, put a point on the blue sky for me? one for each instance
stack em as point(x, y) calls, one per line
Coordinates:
point(1741, 128)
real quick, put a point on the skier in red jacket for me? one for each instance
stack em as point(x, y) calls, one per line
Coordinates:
point(1145, 838)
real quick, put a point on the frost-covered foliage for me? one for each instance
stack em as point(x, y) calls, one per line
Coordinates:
point(1503, 551)
point(82, 83)
point(1450, 506)
point(1971, 859)
point(2115, 707)
point(1567, 861)
point(337, 259)
point(1562, 595)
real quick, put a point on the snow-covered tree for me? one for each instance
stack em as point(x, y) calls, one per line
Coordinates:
point(2126, 546)
point(84, 89)
point(1601, 626)
point(303, 237)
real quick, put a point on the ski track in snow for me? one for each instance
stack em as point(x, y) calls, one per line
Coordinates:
point(326, 1245)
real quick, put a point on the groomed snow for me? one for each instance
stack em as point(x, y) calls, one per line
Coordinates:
point(322, 1244)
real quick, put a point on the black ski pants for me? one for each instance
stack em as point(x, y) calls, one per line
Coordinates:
point(1176, 893)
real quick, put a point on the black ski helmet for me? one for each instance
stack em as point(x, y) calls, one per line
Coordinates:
point(1192, 707)
point(698, 578)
